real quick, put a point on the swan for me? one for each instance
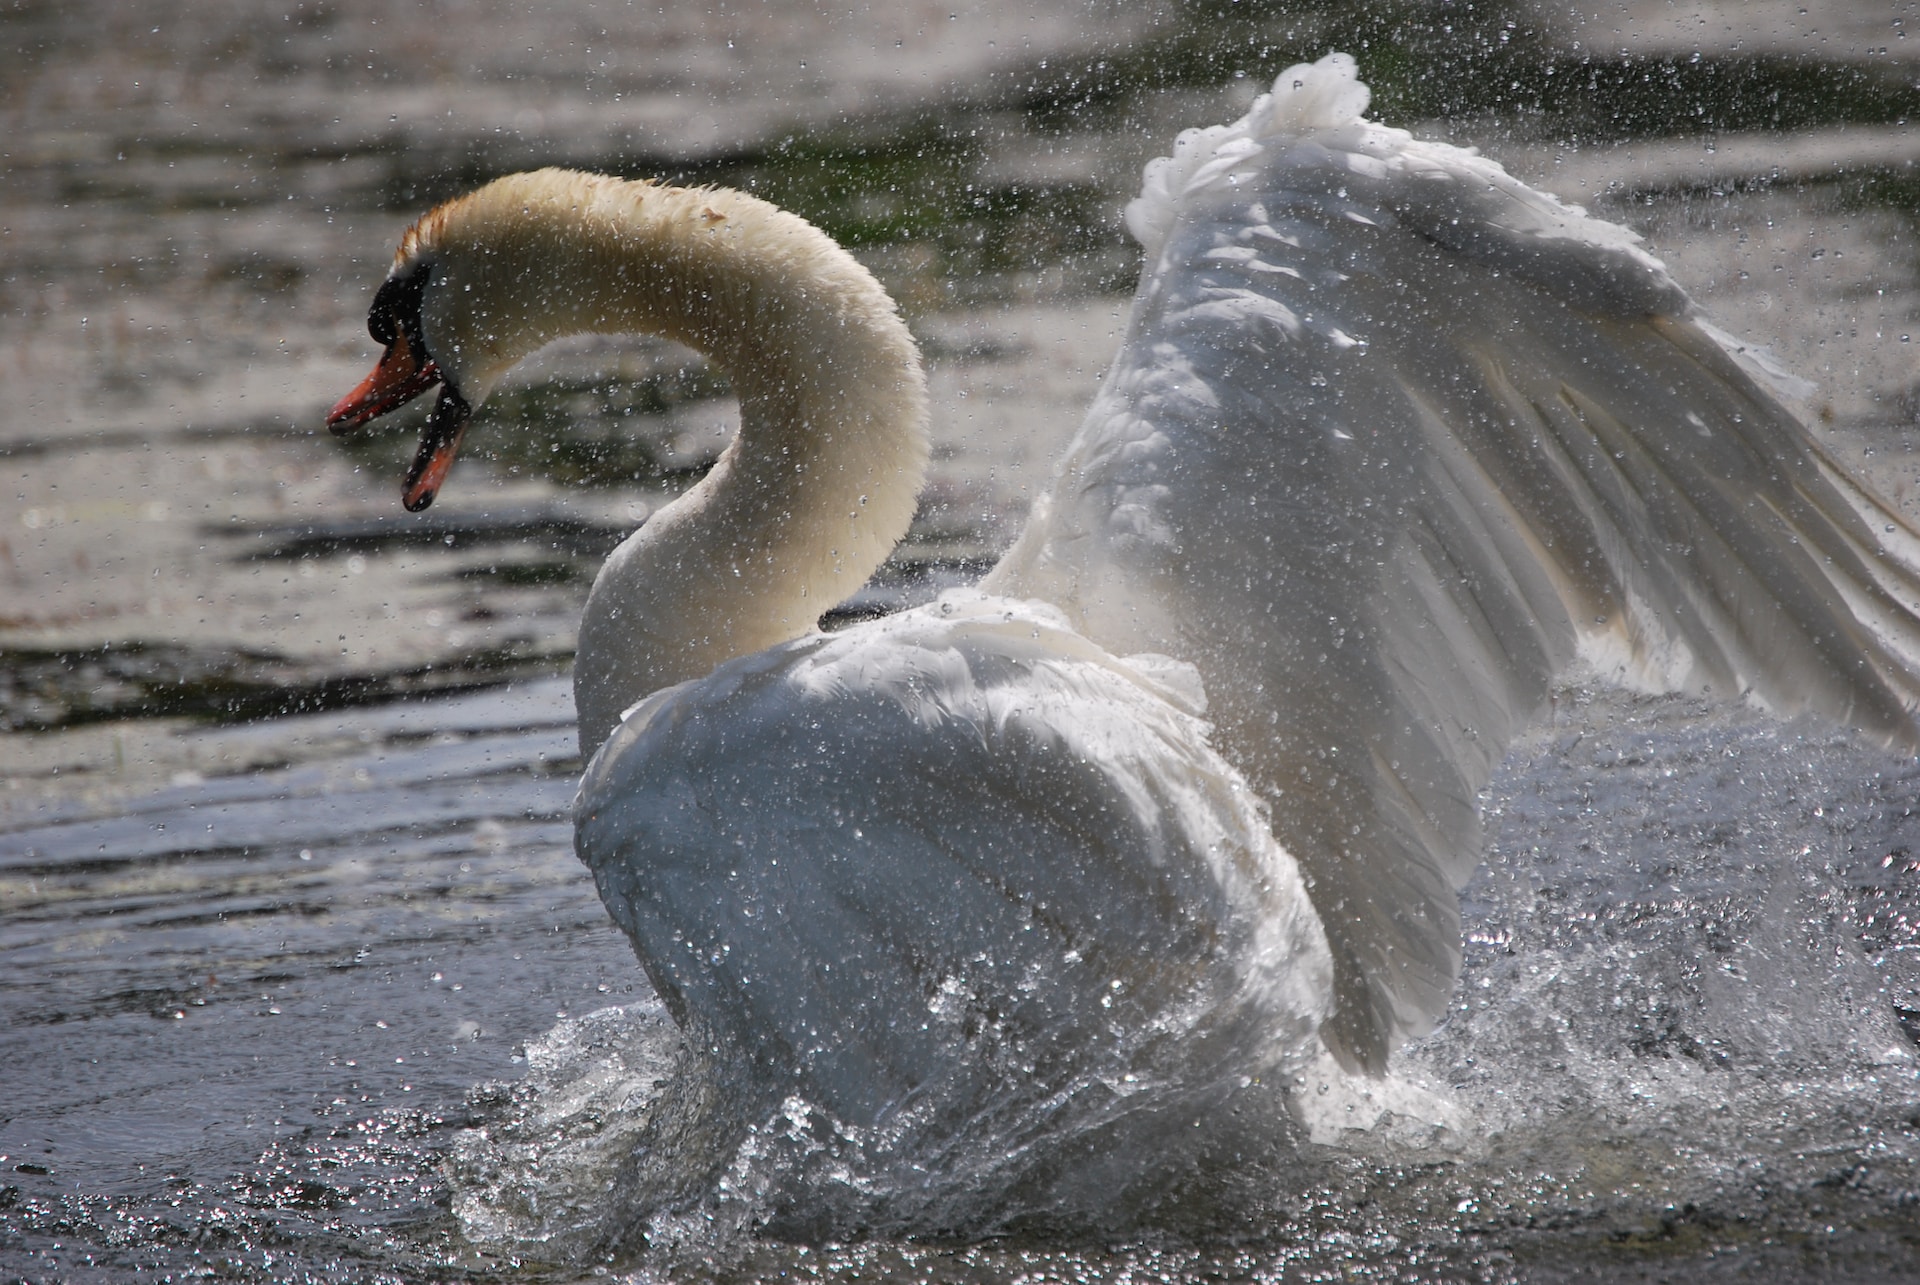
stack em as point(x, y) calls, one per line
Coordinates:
point(1178, 799)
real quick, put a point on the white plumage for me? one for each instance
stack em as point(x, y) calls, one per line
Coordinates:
point(956, 862)
point(1392, 443)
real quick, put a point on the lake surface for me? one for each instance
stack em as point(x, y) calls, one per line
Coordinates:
point(300, 977)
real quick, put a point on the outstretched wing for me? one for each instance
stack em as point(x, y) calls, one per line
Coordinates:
point(1392, 442)
point(949, 867)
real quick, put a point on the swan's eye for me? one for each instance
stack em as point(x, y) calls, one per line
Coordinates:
point(396, 306)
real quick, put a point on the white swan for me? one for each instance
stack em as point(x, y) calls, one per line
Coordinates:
point(1392, 442)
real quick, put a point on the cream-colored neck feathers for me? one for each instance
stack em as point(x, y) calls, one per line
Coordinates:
point(821, 482)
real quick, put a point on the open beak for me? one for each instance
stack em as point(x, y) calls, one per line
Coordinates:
point(397, 379)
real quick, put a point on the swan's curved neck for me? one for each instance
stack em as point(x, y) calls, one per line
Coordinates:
point(822, 480)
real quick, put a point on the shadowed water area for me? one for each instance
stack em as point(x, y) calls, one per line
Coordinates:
point(299, 976)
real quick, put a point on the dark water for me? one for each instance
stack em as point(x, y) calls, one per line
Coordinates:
point(285, 865)
point(246, 1011)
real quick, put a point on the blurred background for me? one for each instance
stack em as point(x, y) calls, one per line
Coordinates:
point(199, 199)
point(245, 861)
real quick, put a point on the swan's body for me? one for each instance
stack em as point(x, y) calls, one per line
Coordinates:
point(1391, 443)
point(952, 862)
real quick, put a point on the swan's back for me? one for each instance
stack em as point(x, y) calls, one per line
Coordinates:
point(1392, 442)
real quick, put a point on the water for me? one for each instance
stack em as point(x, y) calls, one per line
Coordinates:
point(250, 1018)
point(263, 996)
point(288, 907)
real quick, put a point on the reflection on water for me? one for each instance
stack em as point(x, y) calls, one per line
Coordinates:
point(285, 867)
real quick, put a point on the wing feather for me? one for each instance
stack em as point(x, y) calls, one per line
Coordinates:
point(1392, 442)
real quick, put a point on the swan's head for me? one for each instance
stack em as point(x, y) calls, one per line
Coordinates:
point(467, 297)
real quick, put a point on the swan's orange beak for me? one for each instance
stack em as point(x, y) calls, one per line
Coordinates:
point(397, 379)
